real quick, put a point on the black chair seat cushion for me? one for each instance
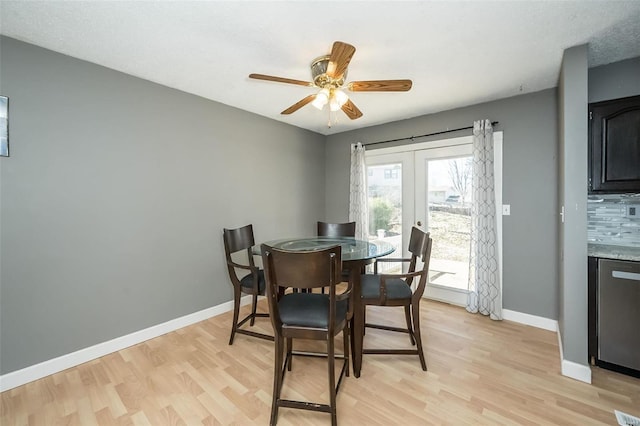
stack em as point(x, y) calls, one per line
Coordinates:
point(309, 310)
point(247, 281)
point(396, 288)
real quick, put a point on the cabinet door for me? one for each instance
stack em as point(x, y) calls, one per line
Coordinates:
point(615, 145)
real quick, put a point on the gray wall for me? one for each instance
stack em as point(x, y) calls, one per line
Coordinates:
point(530, 180)
point(616, 80)
point(115, 195)
point(573, 137)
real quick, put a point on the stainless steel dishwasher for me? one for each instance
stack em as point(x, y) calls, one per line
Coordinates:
point(619, 313)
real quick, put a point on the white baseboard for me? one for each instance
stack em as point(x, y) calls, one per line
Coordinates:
point(567, 368)
point(576, 371)
point(532, 320)
point(55, 365)
point(573, 369)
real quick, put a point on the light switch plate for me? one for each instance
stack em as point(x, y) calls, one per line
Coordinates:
point(506, 209)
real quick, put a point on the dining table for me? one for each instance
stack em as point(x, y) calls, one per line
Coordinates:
point(356, 254)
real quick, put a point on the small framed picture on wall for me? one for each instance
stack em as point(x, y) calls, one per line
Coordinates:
point(4, 126)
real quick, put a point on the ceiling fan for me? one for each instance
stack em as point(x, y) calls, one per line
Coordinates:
point(329, 73)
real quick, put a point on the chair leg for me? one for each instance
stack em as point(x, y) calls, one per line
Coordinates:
point(332, 379)
point(254, 306)
point(345, 343)
point(407, 315)
point(236, 313)
point(364, 320)
point(415, 310)
point(289, 357)
point(277, 378)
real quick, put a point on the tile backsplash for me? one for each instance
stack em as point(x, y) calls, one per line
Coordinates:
point(608, 220)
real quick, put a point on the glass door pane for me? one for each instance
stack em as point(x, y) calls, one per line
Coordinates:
point(384, 189)
point(449, 220)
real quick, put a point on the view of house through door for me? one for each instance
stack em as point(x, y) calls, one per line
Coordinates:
point(387, 198)
point(430, 188)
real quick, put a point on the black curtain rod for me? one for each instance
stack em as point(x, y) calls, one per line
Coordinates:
point(493, 123)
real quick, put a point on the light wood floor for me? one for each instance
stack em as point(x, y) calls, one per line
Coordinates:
point(480, 372)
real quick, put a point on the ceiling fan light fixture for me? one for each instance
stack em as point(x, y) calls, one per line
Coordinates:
point(337, 98)
point(340, 96)
point(321, 99)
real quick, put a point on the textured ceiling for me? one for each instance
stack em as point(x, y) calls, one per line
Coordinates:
point(457, 53)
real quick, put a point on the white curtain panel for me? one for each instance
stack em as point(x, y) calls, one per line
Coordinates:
point(358, 210)
point(485, 294)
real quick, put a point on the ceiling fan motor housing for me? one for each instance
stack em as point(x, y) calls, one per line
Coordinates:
point(320, 77)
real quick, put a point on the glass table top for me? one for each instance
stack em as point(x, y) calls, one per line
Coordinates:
point(352, 249)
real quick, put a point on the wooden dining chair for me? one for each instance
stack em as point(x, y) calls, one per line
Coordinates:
point(238, 243)
point(396, 290)
point(306, 315)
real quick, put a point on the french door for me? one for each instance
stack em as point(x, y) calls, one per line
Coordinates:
point(428, 186)
point(443, 191)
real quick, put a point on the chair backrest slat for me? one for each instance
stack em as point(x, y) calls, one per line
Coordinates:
point(239, 238)
point(336, 229)
point(417, 242)
point(420, 248)
point(236, 240)
point(303, 269)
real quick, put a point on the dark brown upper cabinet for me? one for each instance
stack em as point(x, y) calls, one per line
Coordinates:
point(614, 164)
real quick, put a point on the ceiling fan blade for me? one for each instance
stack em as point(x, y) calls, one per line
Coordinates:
point(380, 86)
point(351, 110)
point(341, 55)
point(280, 79)
point(299, 104)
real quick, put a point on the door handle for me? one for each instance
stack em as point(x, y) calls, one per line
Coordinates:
point(419, 223)
point(626, 275)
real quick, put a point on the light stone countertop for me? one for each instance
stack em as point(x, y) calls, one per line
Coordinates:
point(614, 252)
